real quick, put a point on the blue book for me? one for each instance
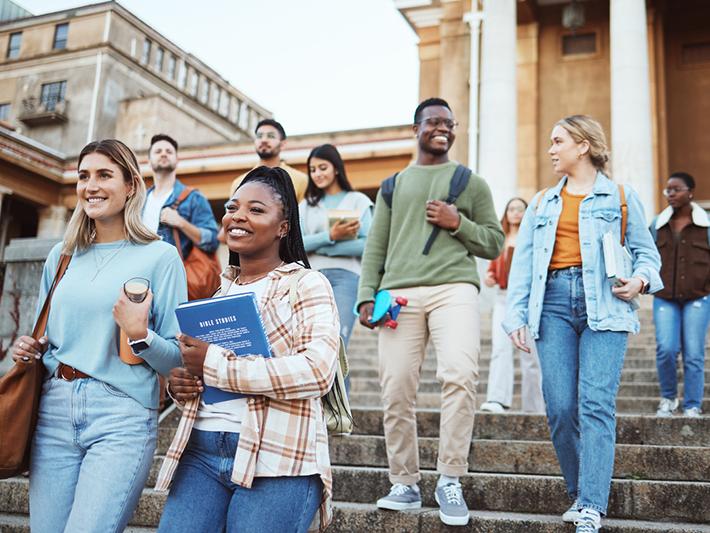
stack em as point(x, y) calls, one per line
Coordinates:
point(232, 322)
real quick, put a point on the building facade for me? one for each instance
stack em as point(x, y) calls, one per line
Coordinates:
point(512, 68)
point(98, 71)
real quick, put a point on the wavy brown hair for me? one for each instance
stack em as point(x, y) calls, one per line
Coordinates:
point(81, 231)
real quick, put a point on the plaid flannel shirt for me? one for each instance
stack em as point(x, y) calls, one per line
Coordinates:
point(284, 430)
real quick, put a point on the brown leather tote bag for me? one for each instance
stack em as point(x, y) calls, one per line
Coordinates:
point(202, 269)
point(20, 392)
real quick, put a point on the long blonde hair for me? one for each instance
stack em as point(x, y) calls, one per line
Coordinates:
point(81, 231)
point(584, 128)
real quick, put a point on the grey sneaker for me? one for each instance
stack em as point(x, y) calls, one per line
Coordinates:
point(589, 521)
point(692, 412)
point(572, 514)
point(401, 498)
point(667, 407)
point(452, 507)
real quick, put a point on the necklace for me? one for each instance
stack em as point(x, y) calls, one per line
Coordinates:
point(105, 260)
point(239, 281)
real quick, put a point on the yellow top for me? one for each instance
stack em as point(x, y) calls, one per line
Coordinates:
point(299, 179)
point(567, 252)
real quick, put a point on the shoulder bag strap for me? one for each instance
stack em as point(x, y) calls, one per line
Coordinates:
point(624, 212)
point(180, 199)
point(176, 234)
point(41, 324)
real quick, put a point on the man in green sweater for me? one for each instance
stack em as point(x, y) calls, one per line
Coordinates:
point(442, 288)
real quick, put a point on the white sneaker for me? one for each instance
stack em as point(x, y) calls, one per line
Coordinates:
point(667, 407)
point(692, 412)
point(572, 514)
point(492, 407)
point(589, 521)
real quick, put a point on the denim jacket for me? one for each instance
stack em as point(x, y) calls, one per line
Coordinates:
point(197, 211)
point(599, 212)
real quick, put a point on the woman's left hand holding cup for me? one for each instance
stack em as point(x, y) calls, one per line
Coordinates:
point(132, 317)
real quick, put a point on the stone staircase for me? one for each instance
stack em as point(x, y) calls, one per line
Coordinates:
point(661, 477)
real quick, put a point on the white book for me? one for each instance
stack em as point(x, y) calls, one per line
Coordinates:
point(617, 262)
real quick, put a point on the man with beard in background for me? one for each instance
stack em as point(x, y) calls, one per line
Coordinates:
point(270, 140)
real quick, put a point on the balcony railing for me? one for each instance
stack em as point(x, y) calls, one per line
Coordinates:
point(36, 112)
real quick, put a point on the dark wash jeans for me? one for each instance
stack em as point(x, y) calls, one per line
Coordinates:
point(581, 370)
point(203, 498)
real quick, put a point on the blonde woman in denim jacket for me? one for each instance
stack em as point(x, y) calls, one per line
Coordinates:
point(558, 289)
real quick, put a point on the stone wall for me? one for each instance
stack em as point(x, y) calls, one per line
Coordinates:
point(24, 259)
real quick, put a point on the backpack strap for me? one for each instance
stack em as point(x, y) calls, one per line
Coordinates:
point(293, 298)
point(387, 189)
point(624, 212)
point(458, 183)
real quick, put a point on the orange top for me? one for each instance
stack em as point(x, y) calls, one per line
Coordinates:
point(567, 252)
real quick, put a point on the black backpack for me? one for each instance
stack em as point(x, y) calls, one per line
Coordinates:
point(456, 186)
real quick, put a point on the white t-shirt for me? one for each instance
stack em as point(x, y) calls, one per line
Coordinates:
point(153, 206)
point(227, 416)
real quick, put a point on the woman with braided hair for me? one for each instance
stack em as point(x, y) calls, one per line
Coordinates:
point(260, 462)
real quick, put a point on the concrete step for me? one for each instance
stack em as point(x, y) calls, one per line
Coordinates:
point(635, 500)
point(630, 429)
point(644, 345)
point(650, 389)
point(358, 517)
point(624, 404)
point(633, 461)
point(636, 362)
point(630, 375)
point(17, 523)
point(629, 499)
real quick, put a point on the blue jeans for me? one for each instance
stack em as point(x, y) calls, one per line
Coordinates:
point(203, 497)
point(681, 327)
point(581, 370)
point(344, 285)
point(91, 456)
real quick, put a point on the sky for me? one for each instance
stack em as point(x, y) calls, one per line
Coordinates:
point(317, 65)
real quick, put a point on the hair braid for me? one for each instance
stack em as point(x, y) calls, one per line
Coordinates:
point(291, 248)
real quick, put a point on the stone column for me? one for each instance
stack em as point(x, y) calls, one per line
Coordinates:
point(52, 222)
point(453, 77)
point(631, 144)
point(498, 157)
point(473, 18)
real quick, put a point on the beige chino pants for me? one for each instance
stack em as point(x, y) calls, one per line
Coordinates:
point(449, 315)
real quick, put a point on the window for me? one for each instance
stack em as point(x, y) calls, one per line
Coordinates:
point(214, 97)
point(13, 46)
point(172, 62)
point(579, 44)
point(234, 111)
point(159, 55)
point(205, 90)
point(224, 103)
point(146, 51)
point(60, 36)
point(194, 82)
point(4, 111)
point(52, 94)
point(182, 75)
